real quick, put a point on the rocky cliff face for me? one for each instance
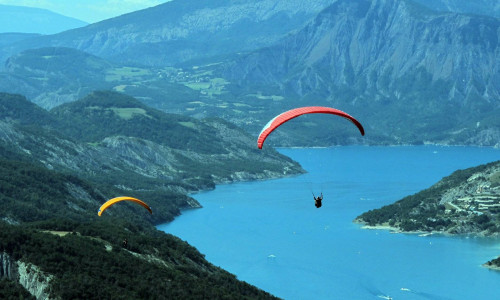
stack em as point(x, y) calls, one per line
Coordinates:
point(478, 7)
point(29, 276)
point(376, 43)
point(395, 58)
point(34, 280)
point(8, 267)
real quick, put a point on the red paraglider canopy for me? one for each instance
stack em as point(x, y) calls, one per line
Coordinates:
point(288, 115)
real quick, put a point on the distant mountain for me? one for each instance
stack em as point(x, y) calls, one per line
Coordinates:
point(183, 30)
point(354, 55)
point(478, 7)
point(24, 19)
point(52, 76)
point(387, 60)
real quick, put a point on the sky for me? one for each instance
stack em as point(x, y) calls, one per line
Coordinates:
point(90, 11)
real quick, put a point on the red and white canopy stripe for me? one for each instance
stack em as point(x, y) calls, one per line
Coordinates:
point(288, 115)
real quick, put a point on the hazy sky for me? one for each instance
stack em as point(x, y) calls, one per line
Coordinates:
point(90, 11)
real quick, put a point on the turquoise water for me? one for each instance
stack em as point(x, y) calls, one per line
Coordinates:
point(270, 234)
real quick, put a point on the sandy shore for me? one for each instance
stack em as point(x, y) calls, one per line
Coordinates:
point(392, 229)
point(382, 227)
point(492, 267)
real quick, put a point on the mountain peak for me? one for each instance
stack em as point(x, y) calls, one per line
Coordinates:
point(179, 31)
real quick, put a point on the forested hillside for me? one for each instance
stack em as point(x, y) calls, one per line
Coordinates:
point(113, 138)
point(58, 167)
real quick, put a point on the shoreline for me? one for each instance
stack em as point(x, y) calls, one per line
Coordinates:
point(422, 233)
point(192, 203)
point(395, 230)
point(265, 253)
point(392, 229)
point(491, 267)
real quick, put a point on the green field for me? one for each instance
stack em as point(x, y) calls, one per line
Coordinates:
point(188, 124)
point(128, 113)
point(126, 73)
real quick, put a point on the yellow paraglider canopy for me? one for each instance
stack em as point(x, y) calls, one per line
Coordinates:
point(124, 198)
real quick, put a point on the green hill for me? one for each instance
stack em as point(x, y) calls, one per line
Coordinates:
point(103, 113)
point(114, 140)
point(30, 193)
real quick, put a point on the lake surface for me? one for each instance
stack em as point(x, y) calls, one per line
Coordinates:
point(270, 234)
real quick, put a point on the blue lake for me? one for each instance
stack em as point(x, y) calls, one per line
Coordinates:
point(270, 234)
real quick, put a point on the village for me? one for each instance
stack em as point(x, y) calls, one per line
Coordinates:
point(485, 199)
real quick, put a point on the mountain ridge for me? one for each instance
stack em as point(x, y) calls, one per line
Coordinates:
point(112, 155)
point(357, 42)
point(480, 7)
point(24, 19)
point(136, 38)
point(357, 54)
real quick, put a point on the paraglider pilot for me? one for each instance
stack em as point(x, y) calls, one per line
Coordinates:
point(317, 200)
